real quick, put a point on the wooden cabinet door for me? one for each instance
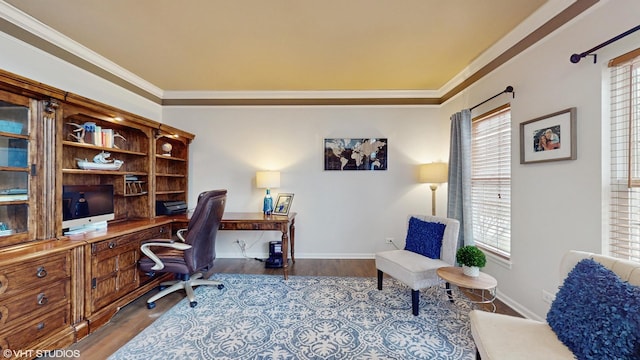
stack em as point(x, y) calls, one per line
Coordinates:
point(114, 265)
point(113, 269)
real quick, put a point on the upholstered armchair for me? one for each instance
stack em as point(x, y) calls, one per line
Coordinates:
point(192, 256)
point(430, 244)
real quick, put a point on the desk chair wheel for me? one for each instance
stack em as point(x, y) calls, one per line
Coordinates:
point(151, 305)
point(220, 287)
point(193, 304)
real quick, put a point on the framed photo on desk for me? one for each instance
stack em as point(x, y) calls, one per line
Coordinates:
point(283, 204)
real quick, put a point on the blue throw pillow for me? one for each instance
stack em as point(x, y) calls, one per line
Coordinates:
point(424, 237)
point(596, 314)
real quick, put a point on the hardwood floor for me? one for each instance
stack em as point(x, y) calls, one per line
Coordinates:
point(133, 318)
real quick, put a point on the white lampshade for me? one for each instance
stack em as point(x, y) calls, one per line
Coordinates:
point(433, 173)
point(267, 179)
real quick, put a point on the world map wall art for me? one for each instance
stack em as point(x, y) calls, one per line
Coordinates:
point(355, 154)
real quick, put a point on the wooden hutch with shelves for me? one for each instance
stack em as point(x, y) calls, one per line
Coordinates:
point(171, 164)
point(56, 288)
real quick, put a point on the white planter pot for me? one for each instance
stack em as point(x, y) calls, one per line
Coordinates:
point(472, 271)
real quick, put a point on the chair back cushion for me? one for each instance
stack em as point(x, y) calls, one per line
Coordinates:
point(449, 236)
point(202, 230)
point(424, 238)
point(627, 270)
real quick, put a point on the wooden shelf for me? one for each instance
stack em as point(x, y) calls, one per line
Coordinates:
point(170, 175)
point(166, 157)
point(13, 168)
point(102, 148)
point(169, 192)
point(135, 194)
point(102, 172)
point(14, 202)
point(14, 136)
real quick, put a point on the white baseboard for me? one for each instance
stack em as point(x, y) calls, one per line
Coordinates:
point(517, 307)
point(234, 255)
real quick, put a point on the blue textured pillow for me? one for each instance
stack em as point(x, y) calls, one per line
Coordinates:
point(424, 237)
point(596, 314)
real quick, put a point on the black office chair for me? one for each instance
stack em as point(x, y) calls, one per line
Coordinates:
point(191, 257)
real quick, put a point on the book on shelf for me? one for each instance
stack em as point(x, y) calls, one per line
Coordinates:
point(107, 138)
point(97, 136)
point(101, 137)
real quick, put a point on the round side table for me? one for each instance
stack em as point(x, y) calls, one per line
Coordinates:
point(484, 284)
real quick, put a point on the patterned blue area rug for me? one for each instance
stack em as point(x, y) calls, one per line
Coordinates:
point(266, 317)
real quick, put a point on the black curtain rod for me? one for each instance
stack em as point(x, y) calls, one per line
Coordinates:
point(575, 58)
point(509, 89)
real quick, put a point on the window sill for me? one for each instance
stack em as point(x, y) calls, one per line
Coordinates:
point(499, 260)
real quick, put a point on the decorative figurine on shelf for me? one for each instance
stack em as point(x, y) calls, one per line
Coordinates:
point(100, 162)
point(77, 133)
point(117, 135)
point(167, 147)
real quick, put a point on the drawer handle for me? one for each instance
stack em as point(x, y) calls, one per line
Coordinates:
point(42, 272)
point(112, 245)
point(40, 326)
point(42, 299)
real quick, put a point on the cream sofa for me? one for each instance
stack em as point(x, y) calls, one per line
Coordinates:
point(500, 336)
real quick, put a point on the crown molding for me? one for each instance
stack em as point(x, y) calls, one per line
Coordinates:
point(545, 20)
point(59, 40)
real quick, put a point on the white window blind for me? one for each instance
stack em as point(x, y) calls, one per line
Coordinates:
point(624, 241)
point(491, 180)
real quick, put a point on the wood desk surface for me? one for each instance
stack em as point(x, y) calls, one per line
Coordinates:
point(256, 216)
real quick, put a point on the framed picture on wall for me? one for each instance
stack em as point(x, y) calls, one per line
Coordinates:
point(549, 138)
point(283, 204)
point(343, 154)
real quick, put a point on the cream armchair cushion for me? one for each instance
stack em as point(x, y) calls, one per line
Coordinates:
point(415, 270)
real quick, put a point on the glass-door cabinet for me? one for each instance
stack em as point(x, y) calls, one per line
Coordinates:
point(17, 151)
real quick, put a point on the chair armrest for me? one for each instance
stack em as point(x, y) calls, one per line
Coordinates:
point(145, 248)
point(180, 236)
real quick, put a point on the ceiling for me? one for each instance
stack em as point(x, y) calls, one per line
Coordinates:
point(286, 45)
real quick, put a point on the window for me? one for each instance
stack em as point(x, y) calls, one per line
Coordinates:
point(624, 221)
point(491, 180)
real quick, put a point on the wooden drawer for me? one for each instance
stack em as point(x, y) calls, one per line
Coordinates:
point(249, 226)
point(30, 332)
point(158, 232)
point(33, 274)
point(33, 303)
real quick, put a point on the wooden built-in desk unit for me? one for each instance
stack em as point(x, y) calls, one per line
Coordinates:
point(240, 221)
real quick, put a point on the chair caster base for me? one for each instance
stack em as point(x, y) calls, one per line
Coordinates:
point(151, 305)
point(220, 287)
point(193, 304)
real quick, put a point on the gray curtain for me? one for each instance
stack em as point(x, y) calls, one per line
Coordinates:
point(459, 186)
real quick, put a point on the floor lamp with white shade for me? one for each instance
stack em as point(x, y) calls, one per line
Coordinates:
point(434, 174)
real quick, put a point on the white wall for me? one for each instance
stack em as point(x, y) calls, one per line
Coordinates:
point(557, 206)
point(340, 214)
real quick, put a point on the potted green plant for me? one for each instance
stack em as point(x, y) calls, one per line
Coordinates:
point(472, 259)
